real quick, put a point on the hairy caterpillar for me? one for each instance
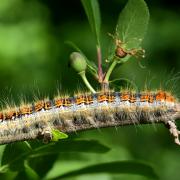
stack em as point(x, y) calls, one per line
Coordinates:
point(87, 111)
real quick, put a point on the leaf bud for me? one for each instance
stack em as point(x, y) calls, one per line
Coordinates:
point(78, 62)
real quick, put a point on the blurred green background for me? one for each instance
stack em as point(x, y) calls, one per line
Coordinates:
point(34, 62)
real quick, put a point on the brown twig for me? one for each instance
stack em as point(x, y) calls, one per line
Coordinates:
point(99, 58)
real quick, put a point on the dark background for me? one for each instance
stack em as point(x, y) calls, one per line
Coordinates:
point(34, 62)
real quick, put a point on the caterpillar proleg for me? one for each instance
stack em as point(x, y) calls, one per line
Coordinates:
point(88, 111)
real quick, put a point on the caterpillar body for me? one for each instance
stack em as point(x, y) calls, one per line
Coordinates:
point(87, 111)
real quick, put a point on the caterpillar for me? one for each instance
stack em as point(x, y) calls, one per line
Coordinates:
point(87, 111)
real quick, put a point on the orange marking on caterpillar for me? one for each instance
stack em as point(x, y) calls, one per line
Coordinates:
point(144, 98)
point(110, 98)
point(1, 116)
point(10, 114)
point(79, 100)
point(125, 96)
point(58, 102)
point(47, 105)
point(170, 98)
point(151, 98)
point(25, 110)
point(88, 99)
point(66, 102)
point(102, 98)
point(132, 98)
point(39, 106)
point(161, 96)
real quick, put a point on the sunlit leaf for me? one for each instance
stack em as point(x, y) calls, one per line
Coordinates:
point(131, 26)
point(132, 23)
point(119, 167)
point(57, 135)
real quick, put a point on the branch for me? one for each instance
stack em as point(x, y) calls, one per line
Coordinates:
point(41, 126)
point(99, 59)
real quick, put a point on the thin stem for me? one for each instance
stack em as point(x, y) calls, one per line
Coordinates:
point(99, 58)
point(86, 82)
point(112, 66)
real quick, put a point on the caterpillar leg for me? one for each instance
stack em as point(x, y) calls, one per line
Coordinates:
point(46, 135)
point(174, 131)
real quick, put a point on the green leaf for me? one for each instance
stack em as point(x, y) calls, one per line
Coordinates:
point(131, 26)
point(88, 146)
point(16, 154)
point(48, 154)
point(91, 67)
point(8, 175)
point(2, 147)
point(119, 167)
point(36, 164)
point(132, 23)
point(56, 135)
point(27, 174)
point(13, 156)
point(91, 8)
point(30, 173)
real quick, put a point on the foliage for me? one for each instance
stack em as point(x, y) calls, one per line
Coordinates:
point(130, 30)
